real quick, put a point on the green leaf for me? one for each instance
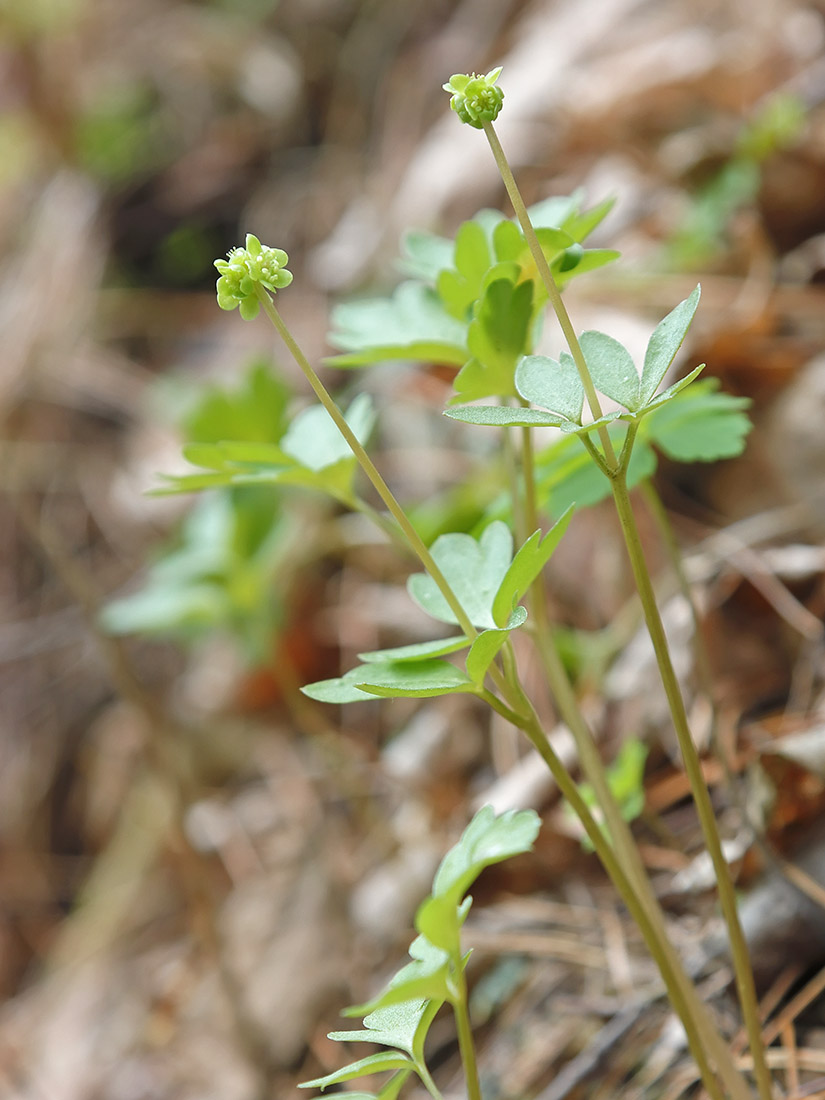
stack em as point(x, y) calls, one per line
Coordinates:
point(413, 324)
point(525, 567)
point(313, 440)
point(484, 649)
point(487, 839)
point(671, 391)
point(416, 679)
point(425, 254)
point(666, 340)
point(611, 368)
point(474, 569)
point(591, 259)
point(581, 225)
point(418, 651)
point(339, 690)
point(504, 416)
point(392, 1025)
point(497, 337)
point(375, 1063)
point(425, 977)
point(566, 474)
point(402, 679)
point(256, 410)
point(699, 425)
point(551, 385)
point(460, 286)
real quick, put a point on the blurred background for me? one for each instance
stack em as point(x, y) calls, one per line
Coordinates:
point(198, 867)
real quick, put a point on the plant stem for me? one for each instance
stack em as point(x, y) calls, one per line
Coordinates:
point(367, 465)
point(693, 768)
point(465, 1033)
point(427, 1081)
point(546, 274)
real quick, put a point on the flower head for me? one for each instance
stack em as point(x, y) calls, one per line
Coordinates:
point(244, 269)
point(475, 99)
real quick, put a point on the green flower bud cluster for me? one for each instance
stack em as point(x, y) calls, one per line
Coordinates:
point(475, 99)
point(246, 268)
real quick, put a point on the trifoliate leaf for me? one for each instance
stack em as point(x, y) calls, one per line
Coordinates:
point(700, 425)
point(525, 567)
point(666, 340)
point(611, 368)
point(671, 391)
point(391, 1025)
point(551, 385)
point(313, 440)
point(413, 324)
point(474, 569)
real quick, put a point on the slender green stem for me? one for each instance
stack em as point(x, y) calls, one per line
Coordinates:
point(520, 522)
point(367, 465)
point(546, 275)
point(528, 465)
point(427, 1081)
point(465, 1033)
point(727, 897)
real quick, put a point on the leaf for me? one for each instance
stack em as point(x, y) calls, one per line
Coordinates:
point(671, 391)
point(666, 340)
point(439, 920)
point(392, 1025)
point(313, 440)
point(487, 839)
point(459, 286)
point(611, 368)
point(425, 254)
point(340, 690)
point(412, 324)
point(591, 259)
point(504, 416)
point(525, 567)
point(256, 410)
point(484, 649)
point(474, 569)
point(375, 1063)
point(567, 475)
point(418, 651)
point(416, 679)
point(699, 424)
point(424, 977)
point(497, 338)
point(551, 385)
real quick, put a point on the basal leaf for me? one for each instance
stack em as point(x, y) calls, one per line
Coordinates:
point(700, 424)
point(313, 440)
point(425, 254)
point(504, 416)
point(664, 343)
point(418, 651)
point(484, 649)
point(525, 567)
point(551, 385)
point(414, 679)
point(487, 839)
point(375, 1063)
point(474, 569)
point(611, 368)
point(413, 324)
